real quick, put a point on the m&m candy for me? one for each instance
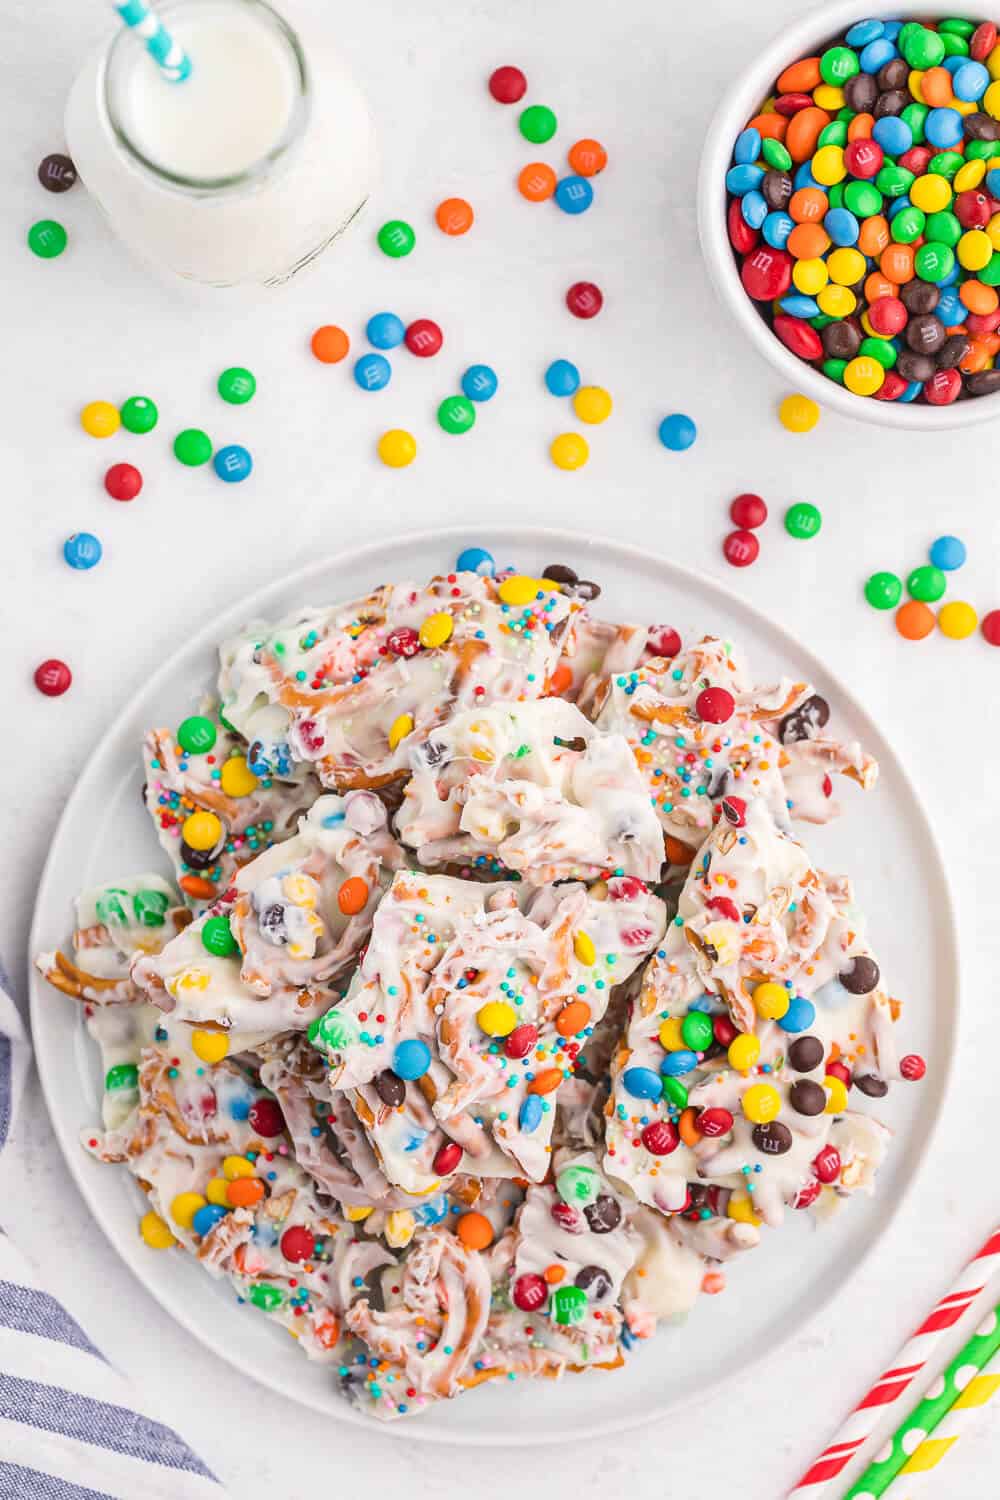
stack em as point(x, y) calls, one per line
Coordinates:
point(100, 419)
point(454, 216)
point(424, 338)
point(56, 173)
point(479, 383)
point(235, 385)
point(957, 620)
point(456, 414)
point(574, 195)
point(537, 124)
point(330, 344)
point(536, 182)
point(798, 414)
point(587, 157)
point(82, 550)
point(140, 415)
point(476, 560)
point(592, 404)
point(569, 451)
point(748, 511)
point(883, 590)
point(123, 481)
point(397, 448)
point(233, 463)
point(385, 330)
point(192, 447)
point(372, 372)
point(948, 553)
point(914, 620)
point(677, 432)
point(508, 85)
point(803, 520)
point(47, 239)
point(53, 677)
point(927, 583)
point(740, 549)
point(396, 239)
point(562, 378)
point(990, 627)
point(584, 299)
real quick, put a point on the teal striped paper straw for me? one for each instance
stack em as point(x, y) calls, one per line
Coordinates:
point(171, 59)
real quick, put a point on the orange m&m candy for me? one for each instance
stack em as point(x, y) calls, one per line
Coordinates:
point(914, 620)
point(353, 896)
point(244, 1192)
point(536, 182)
point(475, 1231)
point(330, 344)
point(454, 216)
point(588, 157)
point(573, 1018)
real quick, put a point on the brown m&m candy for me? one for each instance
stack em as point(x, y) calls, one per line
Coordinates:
point(804, 722)
point(390, 1088)
point(861, 976)
point(774, 1138)
point(603, 1214)
point(872, 1085)
point(807, 1097)
point(805, 1053)
point(56, 173)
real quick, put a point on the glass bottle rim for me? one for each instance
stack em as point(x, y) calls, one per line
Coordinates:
point(126, 42)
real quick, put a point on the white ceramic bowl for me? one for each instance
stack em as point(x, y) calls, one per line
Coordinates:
point(803, 39)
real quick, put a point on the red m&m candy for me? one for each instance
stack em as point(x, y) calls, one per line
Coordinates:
point(298, 1243)
point(797, 335)
point(530, 1292)
point(827, 1164)
point(912, 1067)
point(741, 548)
point(663, 640)
point(943, 387)
point(660, 1138)
point(265, 1118)
point(766, 274)
point(508, 85)
point(424, 338)
point(863, 158)
point(584, 299)
point(741, 236)
point(990, 626)
point(888, 316)
point(715, 705)
point(123, 481)
point(53, 677)
point(748, 511)
point(447, 1158)
point(521, 1040)
point(808, 1193)
point(714, 1122)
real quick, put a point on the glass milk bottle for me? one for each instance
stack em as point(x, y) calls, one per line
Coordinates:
point(244, 172)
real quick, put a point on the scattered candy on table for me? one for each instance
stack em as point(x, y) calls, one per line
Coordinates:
point(990, 627)
point(803, 520)
point(330, 344)
point(456, 414)
point(424, 338)
point(574, 195)
point(677, 432)
point(569, 451)
point(587, 157)
point(584, 299)
point(592, 404)
point(82, 550)
point(883, 590)
point(508, 85)
point(235, 385)
point(957, 620)
point(798, 414)
point(372, 372)
point(139, 414)
point(397, 448)
point(741, 548)
point(948, 553)
point(123, 481)
point(536, 182)
point(100, 419)
point(384, 331)
point(862, 213)
point(454, 216)
point(53, 677)
point(396, 238)
point(562, 378)
point(233, 463)
point(926, 583)
point(192, 447)
point(47, 239)
point(56, 172)
point(479, 383)
point(914, 620)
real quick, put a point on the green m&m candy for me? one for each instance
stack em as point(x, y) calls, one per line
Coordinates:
point(266, 1297)
point(935, 260)
point(883, 590)
point(217, 937)
point(921, 48)
point(236, 385)
point(802, 520)
point(537, 123)
point(150, 908)
point(193, 447)
point(139, 414)
point(396, 238)
point(696, 1029)
point(908, 225)
point(838, 64)
point(863, 199)
point(332, 1032)
point(196, 735)
point(776, 154)
point(47, 239)
point(578, 1185)
point(881, 349)
point(121, 1076)
point(456, 414)
point(926, 584)
point(110, 907)
point(569, 1305)
point(675, 1092)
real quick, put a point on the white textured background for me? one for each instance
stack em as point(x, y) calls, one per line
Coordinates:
point(642, 76)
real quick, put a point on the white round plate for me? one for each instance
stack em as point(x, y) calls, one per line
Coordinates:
point(886, 846)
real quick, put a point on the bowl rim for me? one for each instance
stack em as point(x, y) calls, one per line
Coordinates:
point(745, 92)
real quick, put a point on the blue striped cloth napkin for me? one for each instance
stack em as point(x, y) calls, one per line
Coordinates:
point(70, 1428)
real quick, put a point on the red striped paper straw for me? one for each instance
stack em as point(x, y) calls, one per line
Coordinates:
point(893, 1383)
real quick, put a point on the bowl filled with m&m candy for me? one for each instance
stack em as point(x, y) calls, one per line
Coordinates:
point(849, 209)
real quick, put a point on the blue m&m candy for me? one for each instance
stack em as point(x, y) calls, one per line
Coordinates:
point(893, 135)
point(385, 330)
point(372, 372)
point(676, 1063)
point(479, 383)
point(574, 195)
point(642, 1083)
point(82, 550)
point(411, 1059)
point(529, 1116)
point(943, 128)
point(476, 560)
point(799, 1016)
point(207, 1217)
point(776, 229)
point(562, 378)
point(677, 432)
point(842, 227)
point(747, 148)
point(948, 553)
point(232, 463)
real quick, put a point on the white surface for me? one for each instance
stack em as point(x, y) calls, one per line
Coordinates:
point(644, 78)
point(105, 834)
point(806, 38)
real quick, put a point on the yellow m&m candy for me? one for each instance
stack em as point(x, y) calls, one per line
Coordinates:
point(100, 419)
point(743, 1052)
point(583, 947)
point(399, 729)
point(846, 266)
point(741, 1208)
point(397, 448)
point(519, 589)
point(217, 1192)
point(236, 777)
point(864, 375)
point(671, 1037)
point(799, 413)
point(356, 1214)
point(761, 1103)
point(974, 250)
point(236, 1166)
point(156, 1232)
point(210, 1046)
point(771, 1001)
point(827, 165)
point(569, 451)
point(592, 404)
point(836, 1089)
point(202, 831)
point(957, 620)
point(435, 630)
point(184, 1208)
point(497, 1018)
point(400, 1227)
